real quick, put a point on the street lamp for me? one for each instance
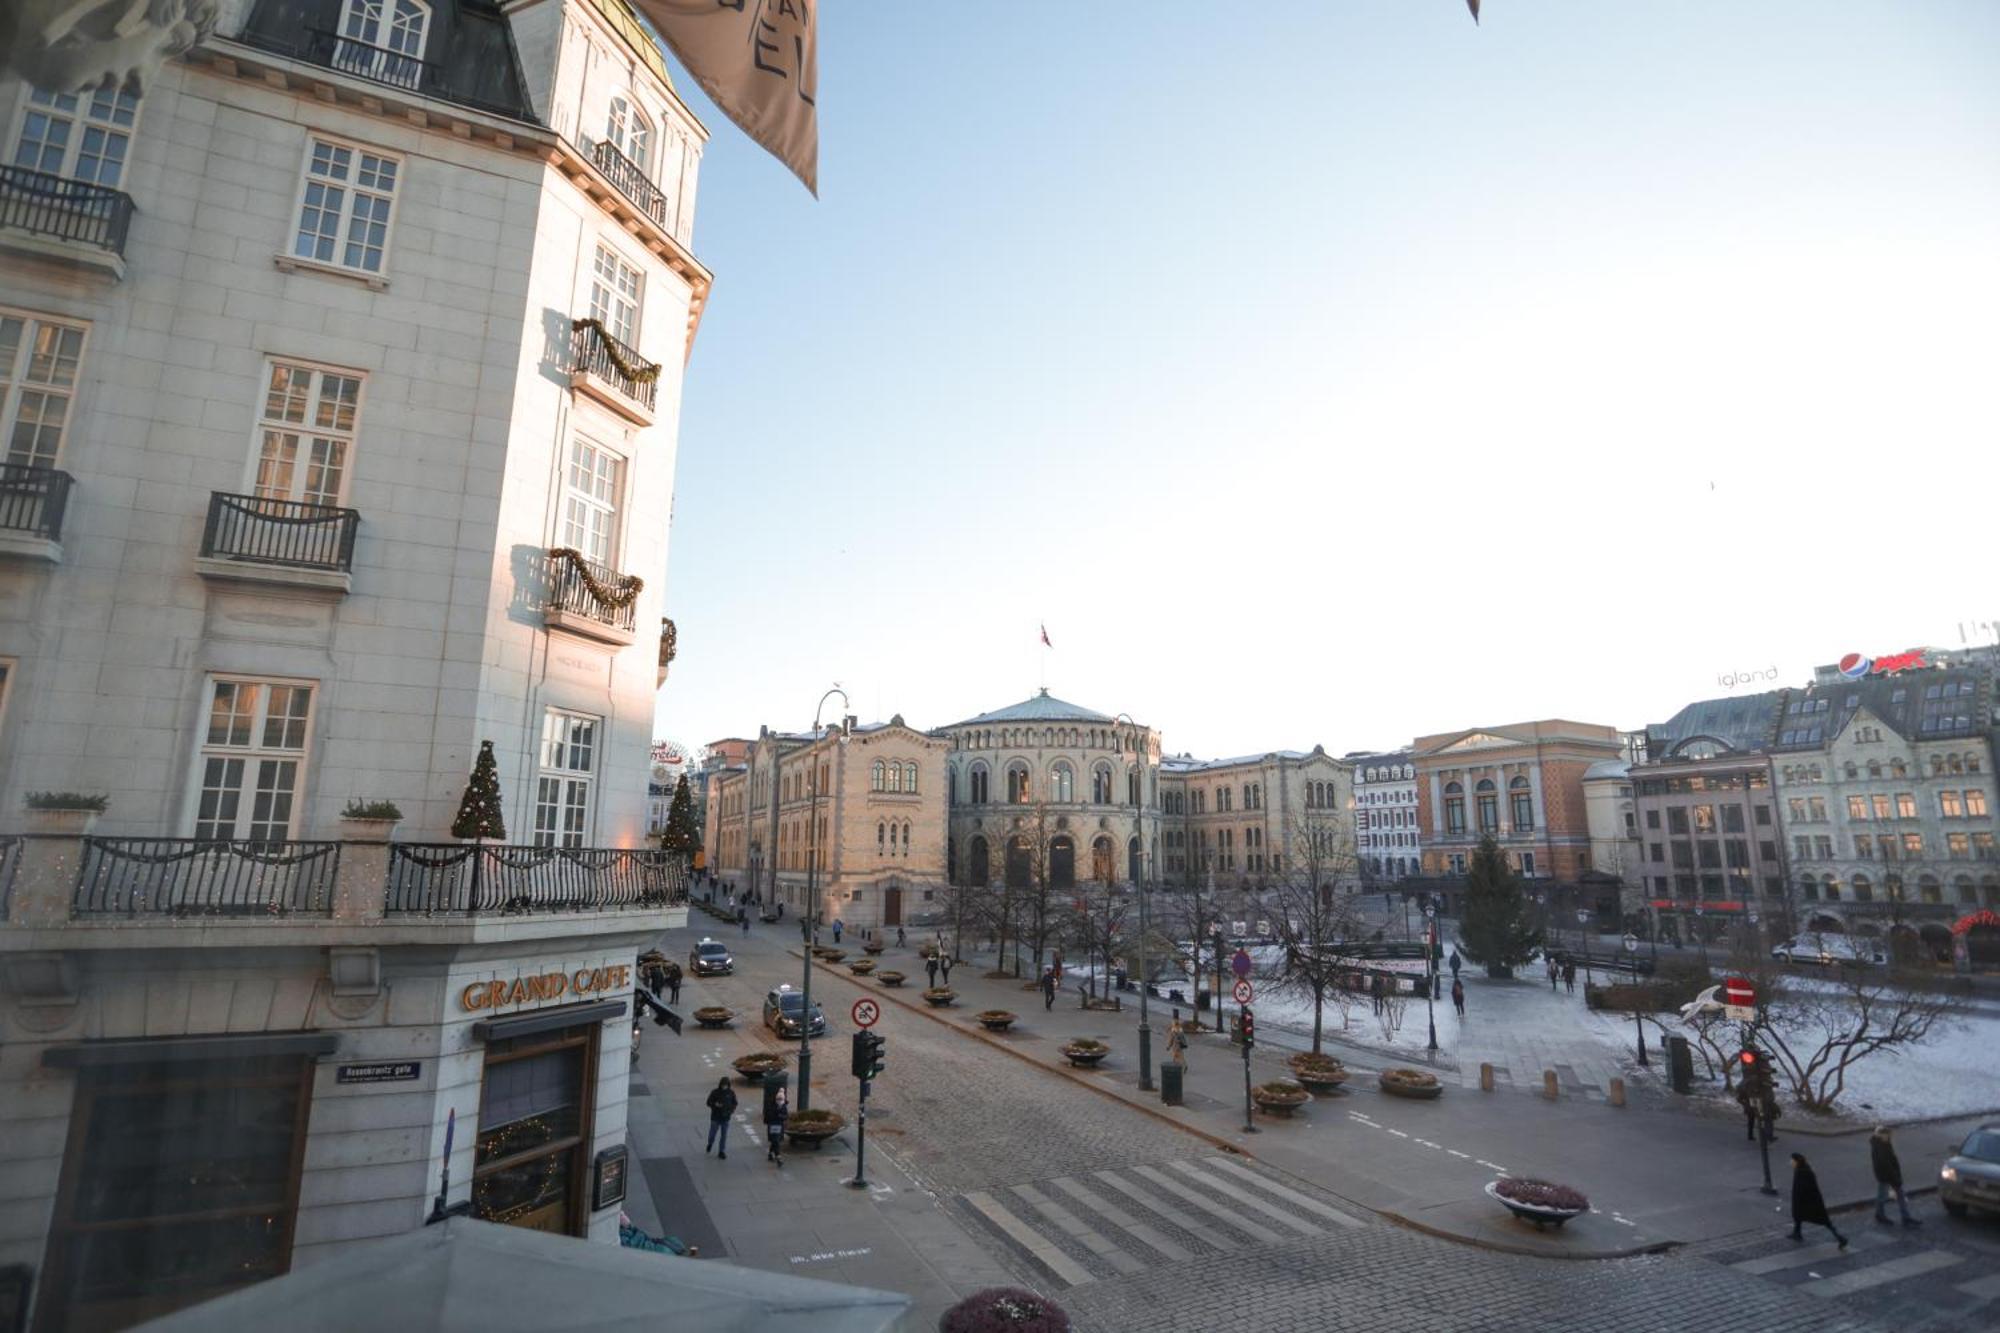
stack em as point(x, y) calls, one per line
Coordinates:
point(1639, 1027)
point(1582, 941)
point(1139, 837)
point(810, 916)
point(1430, 969)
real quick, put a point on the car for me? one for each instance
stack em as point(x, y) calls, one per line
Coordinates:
point(710, 958)
point(784, 1010)
point(1970, 1177)
point(1827, 949)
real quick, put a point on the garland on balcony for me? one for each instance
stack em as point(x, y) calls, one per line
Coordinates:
point(670, 639)
point(641, 373)
point(628, 584)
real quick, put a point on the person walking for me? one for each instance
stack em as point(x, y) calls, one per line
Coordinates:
point(1458, 996)
point(1748, 1102)
point(1808, 1204)
point(1888, 1177)
point(1177, 1041)
point(931, 967)
point(837, 928)
point(945, 965)
point(776, 1112)
point(901, 942)
point(1454, 964)
point(1375, 992)
point(721, 1105)
point(743, 916)
point(1555, 974)
point(1569, 977)
point(1048, 988)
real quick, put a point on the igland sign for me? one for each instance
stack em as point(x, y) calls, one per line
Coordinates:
point(1729, 680)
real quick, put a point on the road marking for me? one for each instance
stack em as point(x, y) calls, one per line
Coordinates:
point(1079, 1230)
point(1065, 1268)
point(1982, 1287)
point(1261, 1234)
point(1313, 1206)
point(825, 1255)
point(1811, 1254)
point(1248, 1200)
point(1893, 1270)
point(1399, 1133)
point(1456, 1153)
point(1124, 1221)
point(1187, 1224)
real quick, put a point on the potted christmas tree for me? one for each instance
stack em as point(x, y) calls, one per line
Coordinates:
point(479, 809)
point(682, 836)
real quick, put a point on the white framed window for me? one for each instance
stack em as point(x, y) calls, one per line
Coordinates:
point(628, 130)
point(616, 291)
point(253, 754)
point(593, 482)
point(346, 197)
point(40, 359)
point(565, 778)
point(305, 433)
point(78, 136)
point(397, 26)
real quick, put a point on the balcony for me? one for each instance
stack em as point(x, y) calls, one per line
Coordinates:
point(453, 879)
point(379, 65)
point(70, 221)
point(632, 182)
point(254, 540)
point(129, 878)
point(612, 373)
point(32, 503)
point(590, 600)
point(670, 639)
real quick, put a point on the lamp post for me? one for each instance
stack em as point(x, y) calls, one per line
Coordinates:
point(811, 914)
point(1582, 940)
point(1139, 836)
point(1430, 968)
point(1638, 1025)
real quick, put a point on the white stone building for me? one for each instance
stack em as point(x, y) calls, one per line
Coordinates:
point(1387, 843)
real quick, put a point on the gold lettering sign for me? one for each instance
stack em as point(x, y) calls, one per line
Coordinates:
point(545, 986)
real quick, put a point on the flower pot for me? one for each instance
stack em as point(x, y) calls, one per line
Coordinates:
point(1541, 1215)
point(1412, 1083)
point(940, 996)
point(995, 1020)
point(873, 946)
point(1084, 1053)
point(861, 967)
point(714, 1016)
point(1280, 1098)
point(1318, 1074)
point(809, 1129)
point(755, 1066)
point(62, 823)
point(367, 830)
point(830, 955)
point(889, 978)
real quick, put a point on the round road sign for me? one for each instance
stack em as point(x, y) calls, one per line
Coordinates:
point(1243, 992)
point(1240, 964)
point(1631, 944)
point(1737, 991)
point(865, 1012)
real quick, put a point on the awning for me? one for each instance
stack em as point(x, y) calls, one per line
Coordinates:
point(180, 1050)
point(547, 1020)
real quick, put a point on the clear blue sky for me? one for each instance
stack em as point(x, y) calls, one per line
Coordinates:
point(1343, 372)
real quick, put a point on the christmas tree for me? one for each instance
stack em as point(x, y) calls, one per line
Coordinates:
point(682, 835)
point(1493, 925)
point(479, 810)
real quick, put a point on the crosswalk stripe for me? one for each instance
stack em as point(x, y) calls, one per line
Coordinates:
point(1800, 1258)
point(1292, 1196)
point(1982, 1287)
point(1188, 1224)
point(1264, 1235)
point(1079, 1230)
point(1894, 1270)
point(1247, 1199)
point(1124, 1221)
point(1065, 1268)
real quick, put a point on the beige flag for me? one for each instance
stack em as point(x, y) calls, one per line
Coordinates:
point(758, 60)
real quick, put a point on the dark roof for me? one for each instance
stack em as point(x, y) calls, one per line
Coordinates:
point(1926, 705)
point(468, 55)
point(1741, 722)
point(1040, 707)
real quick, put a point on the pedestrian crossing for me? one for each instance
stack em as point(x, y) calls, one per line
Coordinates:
point(1120, 1221)
point(1892, 1265)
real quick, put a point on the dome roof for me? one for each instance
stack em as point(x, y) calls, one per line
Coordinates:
point(1041, 707)
point(1608, 768)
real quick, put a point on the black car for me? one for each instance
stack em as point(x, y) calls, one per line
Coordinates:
point(711, 959)
point(783, 1011)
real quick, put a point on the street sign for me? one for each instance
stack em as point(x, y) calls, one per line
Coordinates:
point(865, 1012)
point(1631, 944)
point(1735, 990)
point(1243, 992)
point(1240, 964)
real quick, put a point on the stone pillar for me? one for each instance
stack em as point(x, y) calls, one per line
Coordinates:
point(361, 886)
point(46, 867)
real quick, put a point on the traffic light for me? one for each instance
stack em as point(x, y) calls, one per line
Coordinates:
point(1756, 1071)
point(868, 1058)
point(1249, 1029)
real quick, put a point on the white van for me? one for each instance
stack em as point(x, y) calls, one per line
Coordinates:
point(1826, 948)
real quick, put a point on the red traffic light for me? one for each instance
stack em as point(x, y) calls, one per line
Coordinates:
point(1748, 1057)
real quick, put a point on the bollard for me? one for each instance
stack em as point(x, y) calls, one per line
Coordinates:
point(1485, 1077)
point(1550, 1087)
point(1617, 1092)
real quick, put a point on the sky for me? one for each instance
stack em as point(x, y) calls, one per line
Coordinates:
point(1341, 373)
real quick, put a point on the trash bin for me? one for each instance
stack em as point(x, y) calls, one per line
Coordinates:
point(1201, 1000)
point(1680, 1064)
point(1170, 1083)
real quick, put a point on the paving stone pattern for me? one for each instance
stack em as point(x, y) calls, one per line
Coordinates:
point(1943, 1276)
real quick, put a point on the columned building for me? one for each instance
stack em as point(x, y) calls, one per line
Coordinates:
point(1522, 784)
point(1387, 838)
point(1259, 819)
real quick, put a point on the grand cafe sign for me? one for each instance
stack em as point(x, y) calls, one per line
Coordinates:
point(585, 981)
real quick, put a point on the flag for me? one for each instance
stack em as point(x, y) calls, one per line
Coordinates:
point(759, 61)
point(1045, 637)
point(1473, 5)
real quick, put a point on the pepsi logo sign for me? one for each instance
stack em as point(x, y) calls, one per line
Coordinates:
point(1854, 666)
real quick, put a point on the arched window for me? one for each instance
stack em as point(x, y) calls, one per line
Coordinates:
point(1954, 763)
point(1962, 888)
point(977, 794)
point(1874, 768)
point(395, 28)
point(628, 130)
point(1103, 863)
point(1864, 891)
point(1929, 889)
point(909, 777)
point(877, 776)
point(906, 839)
point(1132, 789)
point(978, 869)
point(1062, 862)
point(881, 837)
point(1018, 862)
point(1488, 797)
point(1017, 784)
point(1062, 782)
point(1523, 803)
point(1100, 784)
point(1971, 763)
point(1454, 808)
point(1852, 770)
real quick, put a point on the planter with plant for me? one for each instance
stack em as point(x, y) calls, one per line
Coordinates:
point(1414, 1083)
point(995, 1020)
point(873, 947)
point(1279, 1097)
point(65, 812)
point(861, 967)
point(1318, 1073)
point(370, 821)
point(890, 978)
point(1538, 1201)
point(811, 1128)
point(1084, 1051)
point(755, 1065)
point(714, 1016)
point(1004, 1310)
point(940, 996)
point(830, 955)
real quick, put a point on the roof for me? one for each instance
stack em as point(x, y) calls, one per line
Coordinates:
point(1041, 707)
point(469, 56)
point(1742, 722)
point(1914, 704)
point(1607, 768)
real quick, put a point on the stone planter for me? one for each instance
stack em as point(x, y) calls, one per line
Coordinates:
point(714, 1016)
point(941, 996)
point(368, 830)
point(889, 978)
point(1412, 1083)
point(1279, 1098)
point(830, 955)
point(861, 967)
point(1318, 1074)
point(809, 1129)
point(1542, 1214)
point(995, 1020)
point(61, 823)
point(1084, 1052)
point(873, 946)
point(754, 1066)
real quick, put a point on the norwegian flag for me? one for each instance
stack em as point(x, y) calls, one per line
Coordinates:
point(1045, 637)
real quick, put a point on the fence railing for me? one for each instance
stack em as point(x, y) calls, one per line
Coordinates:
point(33, 500)
point(71, 210)
point(592, 348)
point(587, 588)
point(632, 181)
point(152, 877)
point(279, 532)
point(433, 879)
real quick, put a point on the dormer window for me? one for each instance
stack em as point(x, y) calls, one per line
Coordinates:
point(396, 26)
point(628, 130)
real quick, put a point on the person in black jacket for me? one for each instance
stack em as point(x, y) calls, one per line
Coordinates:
point(1808, 1205)
point(777, 1110)
point(721, 1105)
point(1888, 1178)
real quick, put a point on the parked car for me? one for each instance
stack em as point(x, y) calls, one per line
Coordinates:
point(710, 958)
point(784, 1013)
point(1827, 949)
point(1970, 1177)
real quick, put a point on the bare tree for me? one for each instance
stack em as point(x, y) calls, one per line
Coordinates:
point(1816, 1034)
point(1187, 913)
point(1312, 916)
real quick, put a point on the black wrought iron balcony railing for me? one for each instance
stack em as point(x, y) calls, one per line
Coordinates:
point(586, 588)
point(70, 210)
point(593, 349)
point(33, 500)
point(279, 532)
point(154, 877)
point(632, 181)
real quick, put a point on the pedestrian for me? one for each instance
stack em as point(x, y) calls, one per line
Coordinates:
point(900, 941)
point(1375, 991)
point(1888, 1177)
point(944, 967)
point(777, 1110)
point(1458, 996)
point(1808, 1205)
point(1569, 977)
point(1048, 988)
point(931, 966)
point(1454, 965)
point(1555, 974)
point(743, 915)
point(1748, 1101)
point(837, 928)
point(721, 1105)
point(1177, 1041)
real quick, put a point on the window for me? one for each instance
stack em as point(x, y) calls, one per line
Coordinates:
point(1823, 846)
point(344, 205)
point(1881, 804)
point(531, 1158)
point(592, 484)
point(1982, 846)
point(306, 434)
point(1017, 783)
point(1913, 846)
point(1527, 863)
point(1763, 816)
point(64, 136)
point(392, 25)
point(615, 296)
point(1906, 805)
point(1062, 782)
point(1857, 807)
point(1956, 846)
point(1975, 804)
point(1732, 819)
point(1767, 850)
point(1454, 808)
point(1677, 818)
point(1132, 789)
point(1100, 784)
point(251, 754)
point(630, 132)
point(563, 784)
point(1736, 854)
point(910, 777)
point(39, 361)
point(1684, 854)
point(1802, 847)
point(877, 777)
point(1864, 891)
point(1523, 803)
point(1864, 847)
point(1709, 854)
point(1657, 851)
point(1816, 808)
point(1704, 819)
point(979, 777)
point(1653, 819)
point(1488, 797)
point(1458, 862)
point(1949, 805)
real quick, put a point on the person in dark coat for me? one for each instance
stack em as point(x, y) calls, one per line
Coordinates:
point(931, 967)
point(673, 983)
point(776, 1112)
point(944, 967)
point(721, 1105)
point(1555, 974)
point(1458, 996)
point(1808, 1205)
point(901, 942)
point(1048, 988)
point(1569, 977)
point(1455, 964)
point(1888, 1177)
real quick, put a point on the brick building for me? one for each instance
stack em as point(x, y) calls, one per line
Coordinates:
point(1521, 783)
